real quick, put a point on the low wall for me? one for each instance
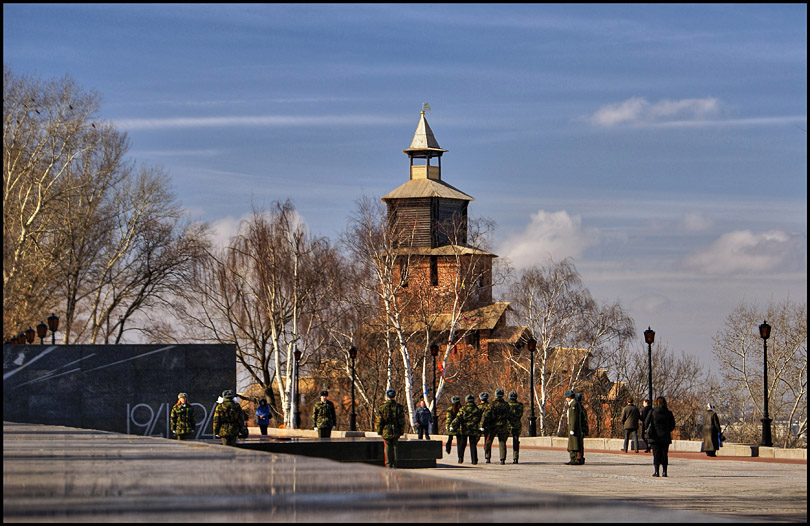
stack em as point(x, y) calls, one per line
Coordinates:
point(606, 444)
point(344, 446)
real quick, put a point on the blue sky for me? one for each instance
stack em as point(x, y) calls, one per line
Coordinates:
point(662, 147)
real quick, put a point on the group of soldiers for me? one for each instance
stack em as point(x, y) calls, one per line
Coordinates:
point(499, 418)
point(230, 422)
point(468, 423)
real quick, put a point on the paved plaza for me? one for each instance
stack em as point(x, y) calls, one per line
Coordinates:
point(61, 474)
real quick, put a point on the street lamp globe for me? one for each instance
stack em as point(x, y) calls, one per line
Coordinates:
point(649, 336)
point(42, 331)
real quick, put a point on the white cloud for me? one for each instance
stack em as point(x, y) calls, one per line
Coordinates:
point(695, 222)
point(554, 234)
point(224, 229)
point(256, 121)
point(638, 111)
point(744, 252)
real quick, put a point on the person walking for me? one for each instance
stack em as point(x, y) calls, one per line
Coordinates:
point(630, 418)
point(645, 412)
point(573, 413)
point(390, 424)
point(182, 421)
point(583, 423)
point(495, 423)
point(450, 415)
point(711, 432)
point(659, 425)
point(515, 424)
point(423, 420)
point(466, 426)
point(323, 416)
point(229, 419)
point(263, 416)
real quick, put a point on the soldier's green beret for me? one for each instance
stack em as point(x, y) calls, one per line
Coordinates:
point(470, 398)
point(390, 393)
point(569, 394)
point(324, 393)
point(484, 396)
point(513, 395)
point(456, 399)
point(499, 392)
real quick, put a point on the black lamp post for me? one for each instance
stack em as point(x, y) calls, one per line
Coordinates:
point(434, 351)
point(532, 419)
point(42, 331)
point(649, 337)
point(53, 324)
point(765, 333)
point(352, 416)
point(297, 414)
point(30, 333)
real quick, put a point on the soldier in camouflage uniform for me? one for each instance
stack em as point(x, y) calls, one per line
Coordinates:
point(323, 416)
point(515, 424)
point(182, 422)
point(450, 415)
point(229, 420)
point(495, 423)
point(390, 424)
point(466, 425)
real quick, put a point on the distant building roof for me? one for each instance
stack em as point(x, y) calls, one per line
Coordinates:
point(444, 250)
point(485, 317)
point(426, 188)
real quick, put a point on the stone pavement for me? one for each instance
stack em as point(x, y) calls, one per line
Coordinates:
point(60, 474)
point(737, 488)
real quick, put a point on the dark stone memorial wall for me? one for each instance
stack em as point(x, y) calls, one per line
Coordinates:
point(122, 388)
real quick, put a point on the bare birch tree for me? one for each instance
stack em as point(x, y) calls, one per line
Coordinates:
point(739, 349)
point(264, 292)
point(560, 312)
point(386, 248)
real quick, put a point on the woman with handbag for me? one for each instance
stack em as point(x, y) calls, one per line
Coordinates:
point(659, 426)
point(711, 432)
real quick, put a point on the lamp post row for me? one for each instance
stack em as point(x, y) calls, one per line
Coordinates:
point(649, 337)
point(29, 334)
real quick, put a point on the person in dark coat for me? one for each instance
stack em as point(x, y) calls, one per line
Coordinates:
point(573, 413)
point(630, 418)
point(659, 425)
point(711, 432)
point(263, 416)
point(645, 412)
point(423, 420)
